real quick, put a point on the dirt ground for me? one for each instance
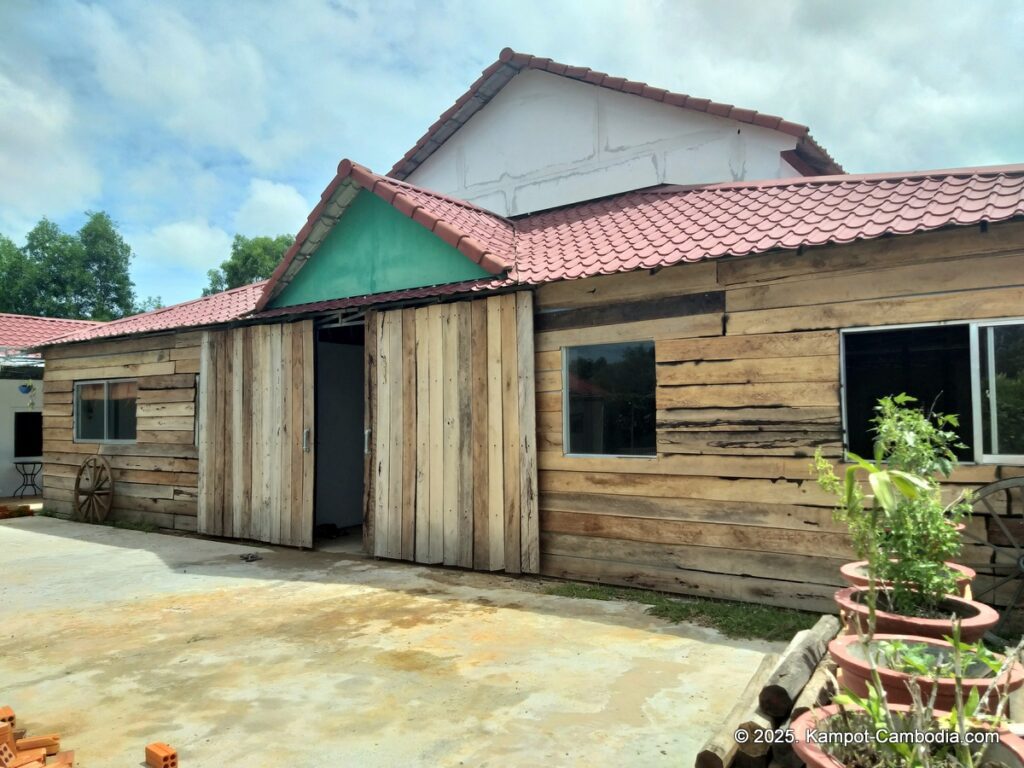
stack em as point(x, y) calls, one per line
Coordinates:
point(117, 638)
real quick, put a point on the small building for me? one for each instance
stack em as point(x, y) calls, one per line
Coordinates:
point(21, 398)
point(586, 328)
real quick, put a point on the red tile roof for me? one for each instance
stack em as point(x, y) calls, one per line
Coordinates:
point(646, 229)
point(481, 236)
point(510, 63)
point(209, 310)
point(664, 226)
point(24, 331)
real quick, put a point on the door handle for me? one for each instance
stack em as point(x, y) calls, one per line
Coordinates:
point(366, 442)
point(305, 440)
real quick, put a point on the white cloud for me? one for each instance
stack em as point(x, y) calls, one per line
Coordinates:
point(43, 168)
point(271, 209)
point(193, 245)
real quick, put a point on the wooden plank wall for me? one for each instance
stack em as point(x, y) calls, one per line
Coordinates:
point(157, 476)
point(747, 355)
point(453, 457)
point(256, 399)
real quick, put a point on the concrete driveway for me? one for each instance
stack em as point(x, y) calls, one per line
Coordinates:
point(116, 638)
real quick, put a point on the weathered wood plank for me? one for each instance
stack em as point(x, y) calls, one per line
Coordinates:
point(305, 329)
point(132, 370)
point(435, 351)
point(370, 352)
point(529, 515)
point(791, 369)
point(464, 382)
point(409, 467)
point(648, 308)
point(480, 409)
point(511, 429)
point(422, 366)
point(672, 328)
point(495, 438)
point(382, 485)
point(684, 278)
point(748, 395)
point(450, 396)
point(207, 444)
point(760, 443)
point(757, 346)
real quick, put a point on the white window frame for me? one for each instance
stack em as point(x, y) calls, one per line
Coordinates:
point(565, 404)
point(106, 399)
point(973, 327)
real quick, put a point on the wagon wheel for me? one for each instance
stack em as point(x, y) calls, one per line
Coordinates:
point(1001, 576)
point(94, 490)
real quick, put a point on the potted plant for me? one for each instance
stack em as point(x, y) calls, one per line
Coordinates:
point(927, 662)
point(869, 731)
point(903, 531)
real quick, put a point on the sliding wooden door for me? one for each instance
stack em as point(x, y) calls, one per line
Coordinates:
point(256, 433)
point(452, 474)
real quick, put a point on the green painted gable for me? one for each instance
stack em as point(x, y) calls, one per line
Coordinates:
point(374, 249)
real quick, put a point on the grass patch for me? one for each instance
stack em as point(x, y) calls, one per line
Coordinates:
point(735, 620)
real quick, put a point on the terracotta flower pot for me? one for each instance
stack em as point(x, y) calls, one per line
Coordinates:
point(855, 674)
point(1009, 750)
point(975, 618)
point(855, 574)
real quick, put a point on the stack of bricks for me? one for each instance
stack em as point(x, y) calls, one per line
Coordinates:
point(17, 750)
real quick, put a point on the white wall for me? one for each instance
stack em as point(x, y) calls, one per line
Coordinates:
point(12, 400)
point(546, 141)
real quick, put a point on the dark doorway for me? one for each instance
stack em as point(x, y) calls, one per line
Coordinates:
point(338, 506)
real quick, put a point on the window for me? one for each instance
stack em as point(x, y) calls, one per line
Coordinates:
point(1000, 384)
point(973, 370)
point(28, 434)
point(105, 410)
point(932, 364)
point(609, 396)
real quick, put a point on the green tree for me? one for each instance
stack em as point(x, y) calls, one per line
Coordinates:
point(252, 259)
point(55, 274)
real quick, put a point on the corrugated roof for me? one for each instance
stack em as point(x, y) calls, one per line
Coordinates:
point(647, 229)
point(510, 63)
point(659, 227)
point(24, 331)
point(209, 310)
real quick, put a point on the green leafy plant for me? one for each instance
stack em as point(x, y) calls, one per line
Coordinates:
point(925, 660)
point(899, 523)
point(871, 714)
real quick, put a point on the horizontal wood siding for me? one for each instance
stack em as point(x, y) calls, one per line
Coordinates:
point(157, 476)
point(454, 456)
point(746, 391)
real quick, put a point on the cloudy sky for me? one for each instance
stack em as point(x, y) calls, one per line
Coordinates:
point(191, 121)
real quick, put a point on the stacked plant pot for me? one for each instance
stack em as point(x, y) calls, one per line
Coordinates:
point(907, 600)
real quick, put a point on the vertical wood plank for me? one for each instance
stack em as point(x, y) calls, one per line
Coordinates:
point(305, 329)
point(495, 439)
point(238, 375)
point(207, 483)
point(408, 546)
point(435, 351)
point(290, 391)
point(227, 370)
point(295, 410)
point(370, 425)
point(480, 407)
point(258, 434)
point(450, 395)
point(396, 473)
point(245, 436)
point(382, 488)
point(510, 426)
point(271, 473)
point(464, 380)
point(422, 508)
point(529, 515)
point(221, 436)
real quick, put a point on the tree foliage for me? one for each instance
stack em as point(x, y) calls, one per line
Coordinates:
point(56, 274)
point(252, 259)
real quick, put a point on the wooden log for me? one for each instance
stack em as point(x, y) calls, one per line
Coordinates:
point(816, 693)
point(796, 667)
point(720, 750)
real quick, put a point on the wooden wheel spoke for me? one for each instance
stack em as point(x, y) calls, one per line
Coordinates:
point(997, 585)
point(94, 490)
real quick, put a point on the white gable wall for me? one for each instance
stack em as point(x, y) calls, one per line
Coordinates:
point(546, 141)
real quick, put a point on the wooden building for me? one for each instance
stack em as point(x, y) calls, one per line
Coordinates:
point(625, 388)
